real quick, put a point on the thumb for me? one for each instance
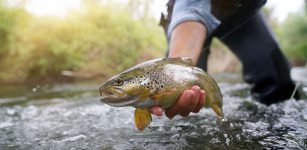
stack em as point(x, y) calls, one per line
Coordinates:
point(156, 110)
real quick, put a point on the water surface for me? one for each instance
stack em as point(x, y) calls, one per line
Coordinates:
point(70, 116)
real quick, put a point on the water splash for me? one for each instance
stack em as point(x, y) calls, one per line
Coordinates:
point(72, 117)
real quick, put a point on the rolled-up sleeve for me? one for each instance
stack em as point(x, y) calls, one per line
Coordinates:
point(193, 10)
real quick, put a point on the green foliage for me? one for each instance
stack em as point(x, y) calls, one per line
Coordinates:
point(10, 20)
point(99, 39)
point(293, 35)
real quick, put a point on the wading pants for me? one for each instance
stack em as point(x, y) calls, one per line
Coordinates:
point(252, 41)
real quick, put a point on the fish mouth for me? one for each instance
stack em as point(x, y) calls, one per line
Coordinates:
point(116, 97)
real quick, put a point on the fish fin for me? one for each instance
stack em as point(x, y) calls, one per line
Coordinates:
point(144, 95)
point(217, 110)
point(185, 60)
point(161, 95)
point(142, 118)
point(165, 98)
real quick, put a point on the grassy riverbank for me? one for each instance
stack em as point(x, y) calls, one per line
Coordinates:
point(98, 40)
point(102, 39)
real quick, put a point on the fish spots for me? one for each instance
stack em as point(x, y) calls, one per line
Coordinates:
point(143, 81)
point(159, 80)
point(118, 82)
point(152, 77)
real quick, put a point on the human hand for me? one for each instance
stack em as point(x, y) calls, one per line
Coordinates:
point(191, 100)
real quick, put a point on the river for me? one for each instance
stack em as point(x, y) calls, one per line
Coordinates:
point(70, 116)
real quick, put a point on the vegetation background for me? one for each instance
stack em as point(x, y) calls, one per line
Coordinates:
point(102, 39)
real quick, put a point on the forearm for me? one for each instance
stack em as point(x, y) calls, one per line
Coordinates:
point(187, 40)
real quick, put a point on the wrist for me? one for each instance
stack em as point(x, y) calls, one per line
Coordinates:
point(187, 40)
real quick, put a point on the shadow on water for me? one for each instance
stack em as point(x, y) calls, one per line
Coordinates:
point(71, 116)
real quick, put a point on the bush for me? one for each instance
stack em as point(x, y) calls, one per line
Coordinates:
point(99, 39)
point(293, 35)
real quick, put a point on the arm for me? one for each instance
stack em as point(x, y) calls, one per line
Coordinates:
point(186, 41)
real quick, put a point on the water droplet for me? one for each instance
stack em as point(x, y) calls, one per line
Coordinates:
point(5, 124)
point(65, 133)
point(238, 136)
point(194, 134)
point(161, 129)
point(75, 138)
point(214, 141)
point(173, 129)
point(175, 137)
point(227, 141)
point(11, 112)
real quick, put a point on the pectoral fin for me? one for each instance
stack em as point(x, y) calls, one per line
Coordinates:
point(165, 98)
point(142, 118)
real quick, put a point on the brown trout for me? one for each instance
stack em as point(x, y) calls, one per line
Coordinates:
point(158, 82)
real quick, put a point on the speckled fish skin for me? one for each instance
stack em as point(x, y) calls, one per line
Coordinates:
point(159, 82)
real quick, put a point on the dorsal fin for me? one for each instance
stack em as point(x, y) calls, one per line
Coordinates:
point(185, 60)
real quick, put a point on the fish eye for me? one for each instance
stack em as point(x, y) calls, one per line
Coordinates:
point(118, 82)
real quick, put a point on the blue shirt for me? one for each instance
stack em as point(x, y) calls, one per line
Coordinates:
point(200, 11)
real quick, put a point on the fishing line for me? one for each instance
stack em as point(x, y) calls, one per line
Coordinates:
point(235, 29)
point(232, 31)
point(297, 85)
point(293, 93)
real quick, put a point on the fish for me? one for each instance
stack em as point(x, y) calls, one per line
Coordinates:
point(158, 82)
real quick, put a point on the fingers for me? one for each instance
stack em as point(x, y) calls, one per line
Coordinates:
point(201, 101)
point(190, 101)
point(156, 110)
point(193, 102)
point(180, 105)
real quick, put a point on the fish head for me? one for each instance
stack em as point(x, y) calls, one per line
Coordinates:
point(124, 89)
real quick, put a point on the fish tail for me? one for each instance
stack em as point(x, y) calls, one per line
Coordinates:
point(218, 110)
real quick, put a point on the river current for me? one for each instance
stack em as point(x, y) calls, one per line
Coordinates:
point(71, 116)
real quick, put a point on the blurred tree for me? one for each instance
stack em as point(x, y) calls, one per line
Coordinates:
point(8, 22)
point(293, 35)
point(11, 22)
point(140, 9)
point(100, 39)
point(268, 14)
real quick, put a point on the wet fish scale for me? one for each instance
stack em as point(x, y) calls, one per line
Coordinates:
point(159, 82)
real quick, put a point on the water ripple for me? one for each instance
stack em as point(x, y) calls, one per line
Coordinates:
point(80, 121)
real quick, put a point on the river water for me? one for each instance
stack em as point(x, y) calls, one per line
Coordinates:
point(70, 116)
